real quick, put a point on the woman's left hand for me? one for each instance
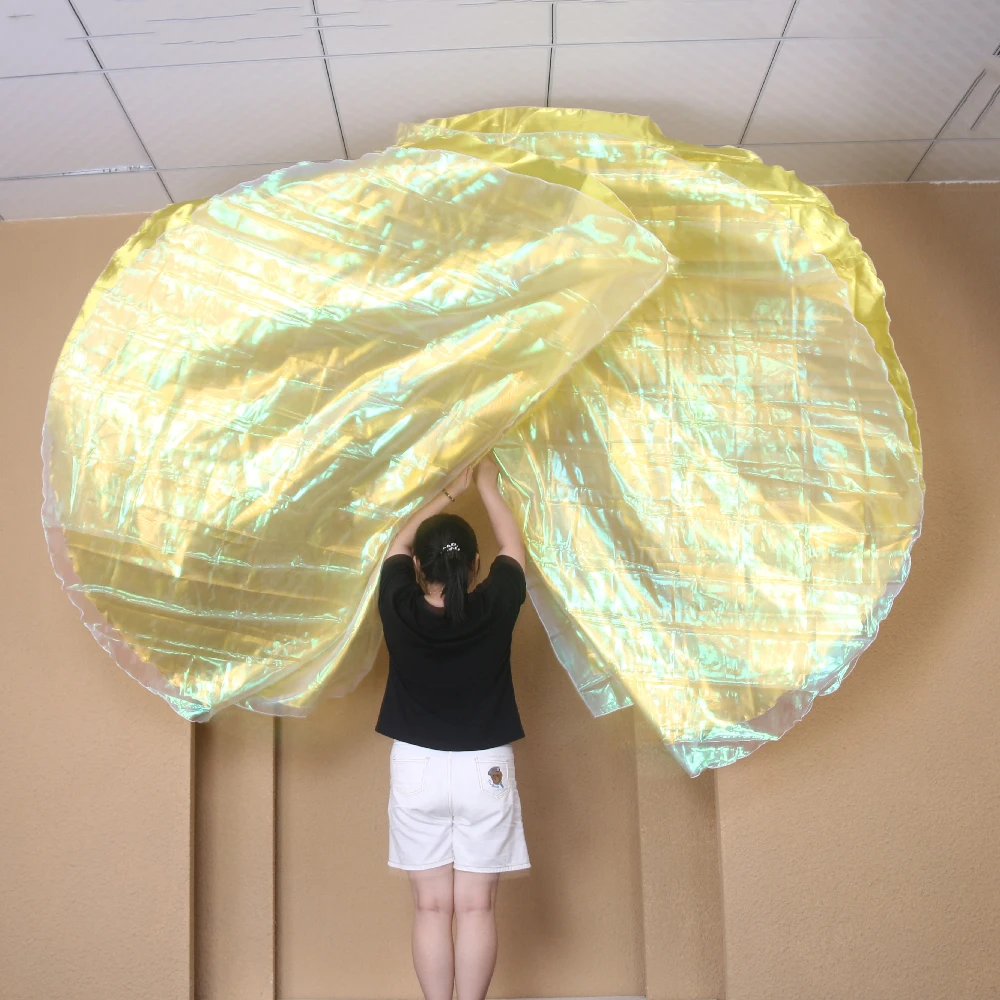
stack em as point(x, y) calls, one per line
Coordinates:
point(460, 483)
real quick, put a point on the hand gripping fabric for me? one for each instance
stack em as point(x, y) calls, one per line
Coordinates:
point(263, 386)
point(680, 355)
point(719, 500)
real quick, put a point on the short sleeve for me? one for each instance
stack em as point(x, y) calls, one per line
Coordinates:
point(507, 581)
point(397, 573)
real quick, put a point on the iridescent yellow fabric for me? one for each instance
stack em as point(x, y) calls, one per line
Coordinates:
point(680, 355)
point(264, 385)
point(720, 499)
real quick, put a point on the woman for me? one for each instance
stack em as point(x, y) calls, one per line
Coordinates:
point(454, 812)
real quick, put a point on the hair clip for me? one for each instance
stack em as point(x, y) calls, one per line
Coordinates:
point(451, 547)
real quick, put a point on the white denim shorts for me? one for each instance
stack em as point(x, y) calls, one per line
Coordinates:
point(456, 808)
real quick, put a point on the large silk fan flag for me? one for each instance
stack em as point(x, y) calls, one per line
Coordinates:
point(680, 357)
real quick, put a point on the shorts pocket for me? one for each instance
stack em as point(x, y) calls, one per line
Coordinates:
point(406, 775)
point(496, 775)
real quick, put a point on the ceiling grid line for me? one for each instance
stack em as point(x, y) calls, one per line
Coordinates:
point(863, 142)
point(552, 54)
point(114, 92)
point(767, 72)
point(268, 163)
point(854, 96)
point(986, 110)
point(329, 81)
point(954, 111)
point(610, 43)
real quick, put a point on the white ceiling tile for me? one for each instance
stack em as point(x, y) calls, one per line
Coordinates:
point(41, 36)
point(916, 20)
point(259, 112)
point(696, 91)
point(50, 124)
point(203, 182)
point(961, 160)
point(861, 89)
point(979, 114)
point(378, 93)
point(92, 194)
point(365, 26)
point(169, 32)
point(649, 20)
point(844, 162)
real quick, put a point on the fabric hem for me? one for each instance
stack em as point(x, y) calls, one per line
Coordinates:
point(461, 868)
point(420, 868)
point(422, 746)
point(493, 871)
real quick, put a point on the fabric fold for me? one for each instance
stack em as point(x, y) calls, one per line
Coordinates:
point(680, 356)
point(268, 384)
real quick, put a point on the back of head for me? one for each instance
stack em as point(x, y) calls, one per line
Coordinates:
point(446, 548)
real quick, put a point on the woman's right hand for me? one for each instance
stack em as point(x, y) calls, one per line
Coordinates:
point(505, 528)
point(487, 472)
point(460, 483)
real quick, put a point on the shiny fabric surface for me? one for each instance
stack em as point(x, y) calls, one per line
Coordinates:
point(271, 381)
point(731, 480)
point(680, 355)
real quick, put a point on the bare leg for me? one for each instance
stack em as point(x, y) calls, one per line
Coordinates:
point(476, 941)
point(433, 947)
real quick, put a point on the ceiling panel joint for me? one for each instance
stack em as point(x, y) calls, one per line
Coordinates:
point(111, 86)
point(329, 80)
point(767, 72)
point(954, 111)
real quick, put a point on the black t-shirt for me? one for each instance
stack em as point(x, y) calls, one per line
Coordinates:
point(450, 686)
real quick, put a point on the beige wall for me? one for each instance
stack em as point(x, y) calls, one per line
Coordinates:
point(234, 857)
point(95, 778)
point(859, 855)
point(856, 859)
point(574, 928)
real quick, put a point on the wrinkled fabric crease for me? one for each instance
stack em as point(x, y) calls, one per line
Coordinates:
point(679, 356)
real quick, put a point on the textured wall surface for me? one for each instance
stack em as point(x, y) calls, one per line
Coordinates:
point(571, 928)
point(859, 855)
point(95, 776)
point(234, 870)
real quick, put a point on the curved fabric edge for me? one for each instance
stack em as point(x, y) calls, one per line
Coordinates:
point(520, 162)
point(291, 704)
point(156, 225)
point(793, 706)
point(106, 635)
point(160, 222)
point(826, 231)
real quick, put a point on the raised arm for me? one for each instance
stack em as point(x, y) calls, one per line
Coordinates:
point(402, 544)
point(508, 534)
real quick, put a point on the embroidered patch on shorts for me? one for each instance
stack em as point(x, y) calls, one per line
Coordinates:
point(496, 776)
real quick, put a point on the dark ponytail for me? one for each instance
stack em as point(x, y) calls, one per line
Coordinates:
point(446, 548)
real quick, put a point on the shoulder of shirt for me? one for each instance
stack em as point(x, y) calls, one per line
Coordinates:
point(397, 568)
point(506, 567)
point(508, 561)
point(397, 558)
